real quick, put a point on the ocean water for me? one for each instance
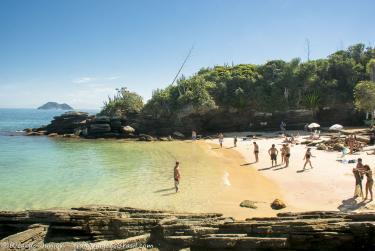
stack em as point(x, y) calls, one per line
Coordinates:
point(38, 172)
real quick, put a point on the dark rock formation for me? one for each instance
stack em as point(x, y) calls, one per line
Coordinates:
point(55, 106)
point(249, 204)
point(67, 123)
point(278, 204)
point(123, 228)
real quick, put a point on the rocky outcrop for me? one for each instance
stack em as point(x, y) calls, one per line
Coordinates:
point(55, 106)
point(123, 228)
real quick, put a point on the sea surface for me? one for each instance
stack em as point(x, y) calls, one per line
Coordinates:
point(38, 172)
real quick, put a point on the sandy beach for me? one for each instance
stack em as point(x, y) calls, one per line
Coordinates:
point(328, 186)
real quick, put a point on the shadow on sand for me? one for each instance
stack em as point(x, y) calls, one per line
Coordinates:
point(165, 190)
point(168, 194)
point(248, 164)
point(267, 168)
point(350, 205)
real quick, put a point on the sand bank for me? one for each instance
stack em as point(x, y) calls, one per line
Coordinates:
point(328, 186)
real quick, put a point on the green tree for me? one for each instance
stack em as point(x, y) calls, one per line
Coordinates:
point(364, 97)
point(371, 69)
point(312, 101)
point(123, 103)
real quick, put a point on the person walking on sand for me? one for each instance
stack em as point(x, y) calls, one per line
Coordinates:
point(177, 175)
point(307, 158)
point(221, 139)
point(256, 151)
point(235, 141)
point(369, 181)
point(273, 152)
point(287, 155)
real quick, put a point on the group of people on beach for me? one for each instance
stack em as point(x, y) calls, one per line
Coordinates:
point(360, 171)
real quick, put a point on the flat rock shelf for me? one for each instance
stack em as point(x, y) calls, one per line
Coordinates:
point(124, 228)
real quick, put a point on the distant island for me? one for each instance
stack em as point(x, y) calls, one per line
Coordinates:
point(55, 106)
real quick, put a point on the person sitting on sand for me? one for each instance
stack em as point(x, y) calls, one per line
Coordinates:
point(273, 152)
point(256, 151)
point(307, 158)
point(221, 139)
point(282, 151)
point(369, 181)
point(235, 141)
point(287, 155)
point(177, 175)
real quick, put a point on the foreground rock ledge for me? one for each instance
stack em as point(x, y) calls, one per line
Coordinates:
point(123, 228)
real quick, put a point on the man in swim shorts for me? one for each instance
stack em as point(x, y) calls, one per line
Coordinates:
point(273, 152)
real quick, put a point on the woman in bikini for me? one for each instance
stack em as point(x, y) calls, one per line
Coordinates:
point(282, 151)
point(369, 182)
point(307, 158)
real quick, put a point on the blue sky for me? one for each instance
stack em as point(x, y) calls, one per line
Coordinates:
point(79, 51)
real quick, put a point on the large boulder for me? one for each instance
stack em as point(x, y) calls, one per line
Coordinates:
point(146, 137)
point(102, 120)
point(179, 135)
point(249, 204)
point(67, 123)
point(278, 204)
point(128, 129)
point(99, 128)
point(115, 124)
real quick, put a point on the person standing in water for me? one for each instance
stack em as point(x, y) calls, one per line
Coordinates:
point(287, 155)
point(369, 181)
point(177, 175)
point(273, 152)
point(307, 158)
point(221, 139)
point(256, 151)
point(235, 141)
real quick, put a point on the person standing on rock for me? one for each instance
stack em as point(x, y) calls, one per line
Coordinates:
point(177, 175)
point(256, 151)
point(221, 139)
point(273, 152)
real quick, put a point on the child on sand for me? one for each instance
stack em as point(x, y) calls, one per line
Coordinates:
point(273, 152)
point(177, 175)
point(256, 151)
point(369, 182)
point(307, 158)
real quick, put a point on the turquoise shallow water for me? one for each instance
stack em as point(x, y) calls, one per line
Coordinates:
point(42, 172)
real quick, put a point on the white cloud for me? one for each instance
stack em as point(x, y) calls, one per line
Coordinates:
point(83, 80)
point(113, 77)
